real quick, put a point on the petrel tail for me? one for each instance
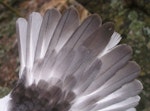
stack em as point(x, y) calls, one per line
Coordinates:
point(79, 66)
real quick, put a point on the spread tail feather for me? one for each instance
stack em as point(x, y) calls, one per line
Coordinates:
point(80, 64)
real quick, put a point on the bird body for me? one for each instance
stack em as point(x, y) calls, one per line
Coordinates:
point(68, 66)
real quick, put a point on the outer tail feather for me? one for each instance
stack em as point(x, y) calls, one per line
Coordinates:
point(124, 105)
point(131, 109)
point(128, 90)
point(21, 25)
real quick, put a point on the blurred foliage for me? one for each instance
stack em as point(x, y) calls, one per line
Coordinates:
point(132, 21)
point(4, 91)
point(7, 40)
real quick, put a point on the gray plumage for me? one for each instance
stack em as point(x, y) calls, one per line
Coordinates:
point(68, 66)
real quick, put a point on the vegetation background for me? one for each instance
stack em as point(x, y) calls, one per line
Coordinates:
point(131, 18)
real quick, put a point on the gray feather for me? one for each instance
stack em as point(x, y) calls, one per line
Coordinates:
point(126, 91)
point(111, 63)
point(33, 28)
point(49, 23)
point(21, 27)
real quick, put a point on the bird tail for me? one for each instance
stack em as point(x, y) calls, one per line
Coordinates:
point(83, 58)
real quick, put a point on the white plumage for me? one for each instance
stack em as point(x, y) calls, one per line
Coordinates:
point(72, 66)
